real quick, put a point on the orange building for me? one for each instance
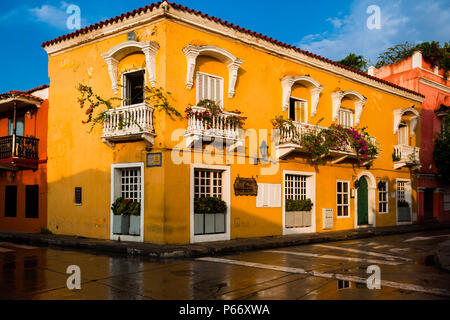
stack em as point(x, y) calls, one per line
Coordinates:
point(417, 74)
point(23, 160)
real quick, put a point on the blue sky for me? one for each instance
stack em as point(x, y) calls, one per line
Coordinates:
point(328, 28)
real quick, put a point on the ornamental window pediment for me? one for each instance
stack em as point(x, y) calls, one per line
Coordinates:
point(233, 64)
point(306, 81)
point(355, 96)
point(408, 114)
point(124, 49)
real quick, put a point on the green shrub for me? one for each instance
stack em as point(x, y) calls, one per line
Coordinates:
point(209, 205)
point(299, 205)
point(402, 204)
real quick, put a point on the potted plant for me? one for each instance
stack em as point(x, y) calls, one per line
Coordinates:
point(404, 211)
point(135, 218)
point(209, 215)
point(298, 213)
point(121, 219)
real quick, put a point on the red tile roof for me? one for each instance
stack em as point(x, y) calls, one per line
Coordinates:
point(24, 94)
point(45, 86)
point(224, 23)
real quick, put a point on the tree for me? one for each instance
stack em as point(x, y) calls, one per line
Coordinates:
point(442, 149)
point(355, 62)
point(395, 54)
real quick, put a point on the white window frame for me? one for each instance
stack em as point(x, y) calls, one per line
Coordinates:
point(400, 132)
point(305, 111)
point(310, 194)
point(387, 198)
point(397, 198)
point(219, 103)
point(226, 196)
point(348, 197)
point(124, 89)
point(350, 112)
point(115, 181)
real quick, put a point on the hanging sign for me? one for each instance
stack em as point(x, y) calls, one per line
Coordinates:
point(245, 187)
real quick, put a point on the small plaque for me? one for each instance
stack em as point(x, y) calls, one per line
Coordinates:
point(154, 160)
point(245, 187)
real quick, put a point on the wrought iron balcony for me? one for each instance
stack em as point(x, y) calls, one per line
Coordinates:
point(406, 156)
point(289, 140)
point(219, 127)
point(129, 123)
point(18, 152)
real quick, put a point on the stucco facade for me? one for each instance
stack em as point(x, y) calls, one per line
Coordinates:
point(250, 71)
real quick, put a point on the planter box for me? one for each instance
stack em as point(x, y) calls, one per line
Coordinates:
point(135, 225)
point(209, 223)
point(298, 219)
point(404, 214)
point(121, 224)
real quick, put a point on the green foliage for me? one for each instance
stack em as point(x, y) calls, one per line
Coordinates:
point(299, 205)
point(286, 126)
point(395, 158)
point(441, 151)
point(156, 97)
point(213, 110)
point(402, 204)
point(395, 54)
point(432, 52)
point(45, 231)
point(209, 205)
point(126, 207)
point(355, 62)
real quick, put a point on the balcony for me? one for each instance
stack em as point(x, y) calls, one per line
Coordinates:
point(220, 127)
point(289, 141)
point(129, 123)
point(17, 152)
point(406, 156)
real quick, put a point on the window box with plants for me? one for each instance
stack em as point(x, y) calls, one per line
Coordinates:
point(209, 215)
point(127, 217)
point(298, 213)
point(404, 211)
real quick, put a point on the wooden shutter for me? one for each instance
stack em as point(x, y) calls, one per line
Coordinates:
point(209, 87)
point(32, 201)
point(269, 196)
point(11, 201)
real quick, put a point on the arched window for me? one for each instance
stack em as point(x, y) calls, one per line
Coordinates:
point(359, 101)
point(306, 81)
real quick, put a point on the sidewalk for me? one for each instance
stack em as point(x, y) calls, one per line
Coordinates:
point(443, 256)
point(211, 248)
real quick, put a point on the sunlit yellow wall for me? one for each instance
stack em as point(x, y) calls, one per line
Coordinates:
point(79, 158)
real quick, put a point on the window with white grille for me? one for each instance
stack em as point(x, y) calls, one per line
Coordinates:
point(343, 199)
point(401, 190)
point(346, 118)
point(298, 110)
point(295, 187)
point(130, 184)
point(207, 183)
point(383, 197)
point(209, 87)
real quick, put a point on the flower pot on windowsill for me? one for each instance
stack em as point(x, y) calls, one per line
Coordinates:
point(298, 219)
point(121, 224)
point(135, 225)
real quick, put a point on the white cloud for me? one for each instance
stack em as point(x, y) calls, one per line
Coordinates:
point(412, 21)
point(53, 16)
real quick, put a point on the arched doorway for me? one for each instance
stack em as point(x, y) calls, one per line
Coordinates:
point(363, 202)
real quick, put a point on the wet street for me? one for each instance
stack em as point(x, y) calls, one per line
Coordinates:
point(324, 271)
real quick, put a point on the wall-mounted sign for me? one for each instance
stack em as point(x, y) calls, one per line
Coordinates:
point(154, 160)
point(245, 187)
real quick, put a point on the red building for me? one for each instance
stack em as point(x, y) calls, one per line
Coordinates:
point(23, 160)
point(417, 74)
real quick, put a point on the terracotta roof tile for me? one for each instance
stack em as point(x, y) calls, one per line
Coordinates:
point(225, 23)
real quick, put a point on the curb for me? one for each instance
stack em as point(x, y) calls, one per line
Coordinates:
point(206, 249)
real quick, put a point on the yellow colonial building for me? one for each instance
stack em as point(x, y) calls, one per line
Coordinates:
point(231, 142)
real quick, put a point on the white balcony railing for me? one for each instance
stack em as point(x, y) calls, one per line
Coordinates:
point(407, 154)
point(129, 123)
point(220, 126)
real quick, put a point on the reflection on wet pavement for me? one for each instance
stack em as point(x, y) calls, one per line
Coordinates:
point(40, 273)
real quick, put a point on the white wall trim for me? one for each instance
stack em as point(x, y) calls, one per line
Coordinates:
point(399, 113)
point(310, 193)
point(226, 196)
point(120, 51)
point(358, 99)
point(372, 187)
point(314, 87)
point(233, 64)
point(434, 84)
point(115, 166)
